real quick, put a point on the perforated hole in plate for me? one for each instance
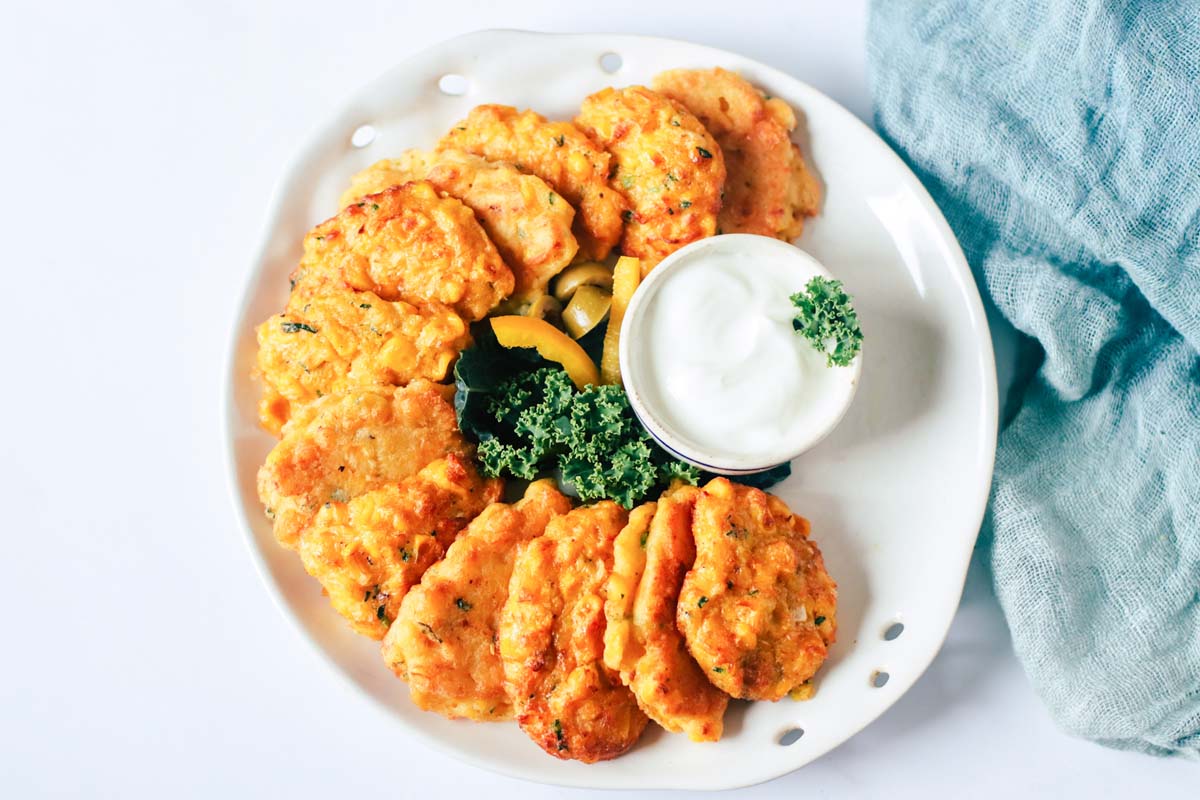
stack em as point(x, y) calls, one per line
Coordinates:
point(879, 679)
point(453, 85)
point(791, 736)
point(611, 62)
point(893, 631)
point(363, 135)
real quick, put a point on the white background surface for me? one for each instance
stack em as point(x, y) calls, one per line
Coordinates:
point(141, 655)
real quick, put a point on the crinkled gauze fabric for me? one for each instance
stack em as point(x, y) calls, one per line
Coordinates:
point(1062, 140)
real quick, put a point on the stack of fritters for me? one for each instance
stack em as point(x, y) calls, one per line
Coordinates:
point(582, 623)
point(768, 189)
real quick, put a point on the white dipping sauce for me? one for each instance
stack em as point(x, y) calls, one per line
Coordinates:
point(723, 372)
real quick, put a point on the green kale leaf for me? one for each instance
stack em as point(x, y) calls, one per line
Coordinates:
point(535, 422)
point(478, 373)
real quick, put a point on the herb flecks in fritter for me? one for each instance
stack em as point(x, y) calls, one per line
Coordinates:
point(459, 674)
point(668, 166)
point(768, 188)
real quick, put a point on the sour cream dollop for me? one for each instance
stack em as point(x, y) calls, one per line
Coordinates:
point(712, 364)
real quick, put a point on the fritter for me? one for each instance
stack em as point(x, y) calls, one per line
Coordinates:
point(552, 640)
point(369, 552)
point(408, 243)
point(343, 445)
point(558, 153)
point(666, 164)
point(768, 189)
point(444, 641)
point(331, 338)
point(757, 608)
point(528, 221)
point(650, 558)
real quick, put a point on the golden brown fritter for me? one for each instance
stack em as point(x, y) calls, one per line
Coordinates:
point(331, 338)
point(558, 153)
point(369, 552)
point(650, 557)
point(408, 243)
point(769, 190)
point(528, 221)
point(667, 165)
point(444, 641)
point(804, 196)
point(757, 608)
point(552, 640)
point(345, 444)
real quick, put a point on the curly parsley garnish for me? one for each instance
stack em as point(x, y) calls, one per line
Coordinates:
point(825, 316)
point(542, 423)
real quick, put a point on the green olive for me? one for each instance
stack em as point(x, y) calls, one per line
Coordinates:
point(545, 307)
point(589, 273)
point(587, 309)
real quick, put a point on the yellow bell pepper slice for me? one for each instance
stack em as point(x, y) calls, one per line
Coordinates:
point(627, 276)
point(551, 343)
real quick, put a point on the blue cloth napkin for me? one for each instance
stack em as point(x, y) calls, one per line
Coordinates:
point(1062, 141)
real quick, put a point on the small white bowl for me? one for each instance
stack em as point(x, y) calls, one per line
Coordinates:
point(635, 359)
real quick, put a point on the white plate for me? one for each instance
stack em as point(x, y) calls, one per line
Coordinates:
point(895, 495)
